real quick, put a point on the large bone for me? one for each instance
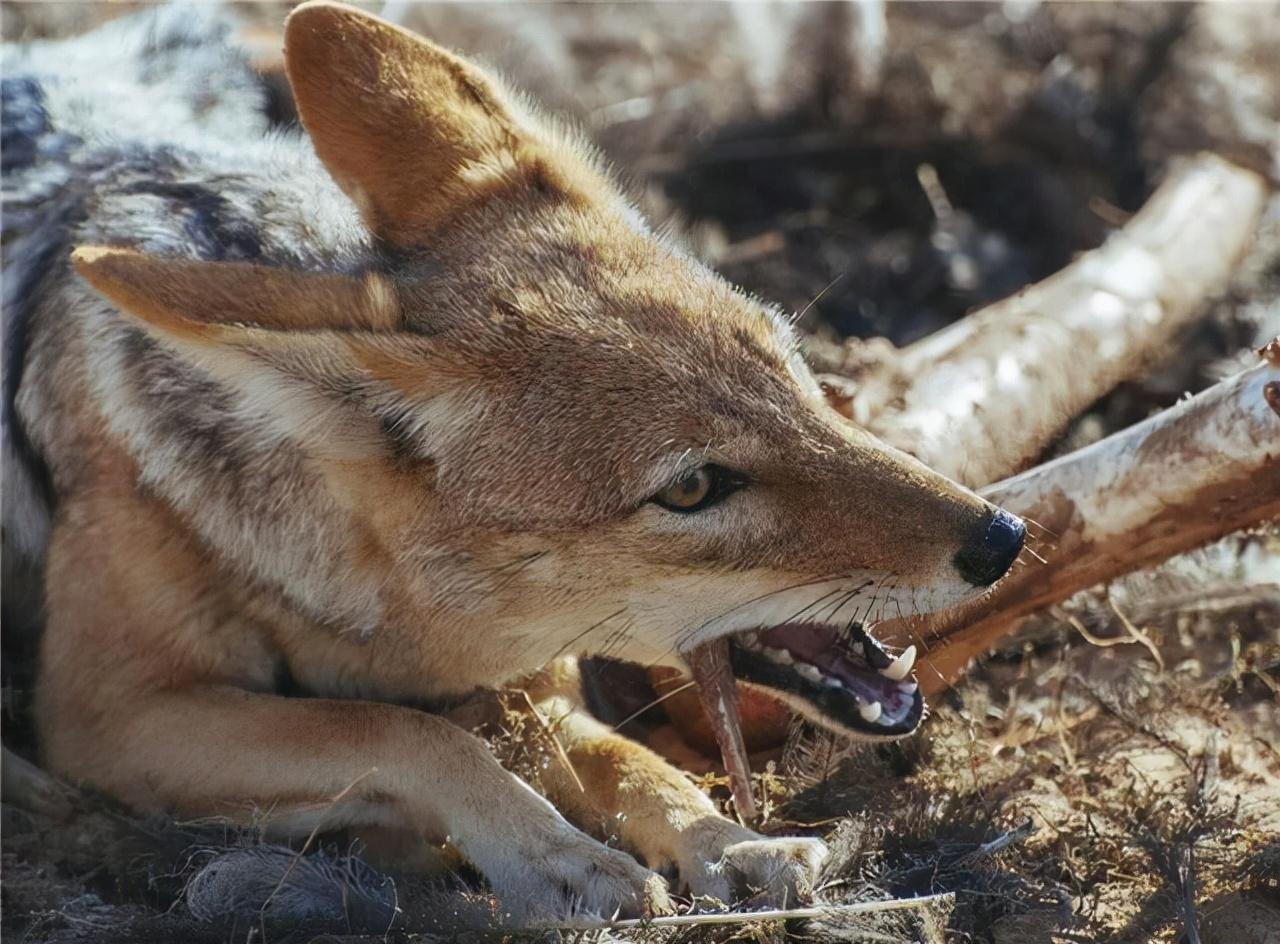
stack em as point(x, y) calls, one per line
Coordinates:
point(981, 399)
point(1193, 473)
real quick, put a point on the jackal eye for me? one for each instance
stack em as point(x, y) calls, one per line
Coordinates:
point(698, 489)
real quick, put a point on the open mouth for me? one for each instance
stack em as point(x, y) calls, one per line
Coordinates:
point(838, 677)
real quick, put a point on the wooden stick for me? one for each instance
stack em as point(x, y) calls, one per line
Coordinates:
point(719, 696)
point(754, 917)
point(1194, 473)
point(28, 787)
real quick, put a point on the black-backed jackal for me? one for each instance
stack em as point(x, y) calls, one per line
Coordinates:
point(406, 406)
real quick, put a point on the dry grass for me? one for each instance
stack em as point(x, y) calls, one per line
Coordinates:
point(1065, 792)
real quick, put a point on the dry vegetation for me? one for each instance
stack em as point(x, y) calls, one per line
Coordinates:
point(1111, 772)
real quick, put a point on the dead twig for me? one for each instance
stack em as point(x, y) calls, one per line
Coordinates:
point(311, 837)
point(761, 917)
point(1003, 841)
point(1133, 635)
point(28, 787)
point(556, 746)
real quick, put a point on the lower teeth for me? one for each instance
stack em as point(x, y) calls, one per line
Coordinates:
point(871, 712)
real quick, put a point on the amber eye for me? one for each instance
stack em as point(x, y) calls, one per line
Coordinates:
point(697, 489)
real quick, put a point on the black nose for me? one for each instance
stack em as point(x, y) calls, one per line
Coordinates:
point(991, 550)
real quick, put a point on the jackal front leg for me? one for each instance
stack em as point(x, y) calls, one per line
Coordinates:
point(147, 692)
point(626, 790)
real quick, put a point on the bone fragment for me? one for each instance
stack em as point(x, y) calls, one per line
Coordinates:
point(719, 694)
point(1189, 475)
point(981, 399)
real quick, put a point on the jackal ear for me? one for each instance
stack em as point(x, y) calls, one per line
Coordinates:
point(191, 297)
point(411, 132)
point(285, 340)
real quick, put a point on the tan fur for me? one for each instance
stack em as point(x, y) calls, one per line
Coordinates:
point(435, 477)
point(623, 789)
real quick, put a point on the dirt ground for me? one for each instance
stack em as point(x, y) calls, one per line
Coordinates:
point(1110, 774)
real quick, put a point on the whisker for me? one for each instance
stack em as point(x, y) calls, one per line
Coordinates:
point(804, 609)
point(817, 298)
point(617, 640)
point(833, 610)
point(1032, 521)
point(875, 597)
point(1043, 542)
point(658, 661)
point(685, 637)
point(934, 669)
point(657, 701)
point(853, 595)
point(578, 638)
point(896, 602)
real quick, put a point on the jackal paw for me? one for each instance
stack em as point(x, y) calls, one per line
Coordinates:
point(571, 874)
point(734, 864)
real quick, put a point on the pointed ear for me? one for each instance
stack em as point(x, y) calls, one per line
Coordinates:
point(282, 339)
point(191, 297)
point(411, 132)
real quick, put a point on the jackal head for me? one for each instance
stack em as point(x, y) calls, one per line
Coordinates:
point(549, 430)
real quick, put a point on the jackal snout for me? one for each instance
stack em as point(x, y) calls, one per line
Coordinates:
point(974, 542)
point(863, 505)
point(991, 549)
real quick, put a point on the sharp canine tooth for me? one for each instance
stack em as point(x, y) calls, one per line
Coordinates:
point(778, 655)
point(901, 666)
point(870, 712)
point(909, 687)
point(832, 683)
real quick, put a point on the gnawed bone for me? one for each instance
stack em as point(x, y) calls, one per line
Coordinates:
point(1189, 475)
point(980, 399)
point(711, 670)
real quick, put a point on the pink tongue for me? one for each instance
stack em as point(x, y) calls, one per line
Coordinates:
point(710, 665)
